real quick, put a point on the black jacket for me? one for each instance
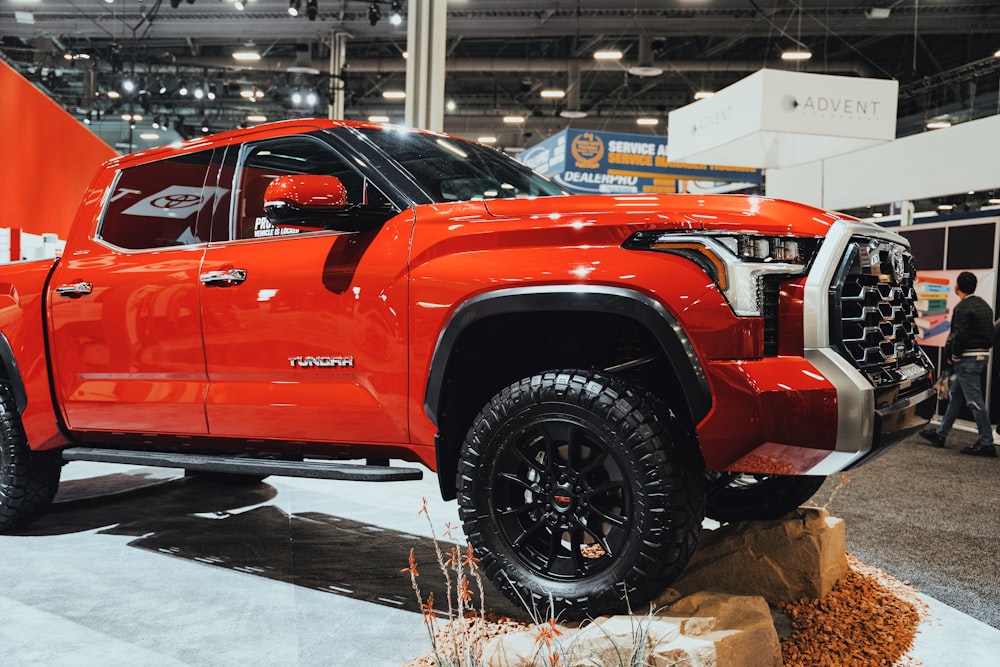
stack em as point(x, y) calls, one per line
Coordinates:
point(971, 327)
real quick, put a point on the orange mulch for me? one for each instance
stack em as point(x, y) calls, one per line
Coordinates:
point(869, 619)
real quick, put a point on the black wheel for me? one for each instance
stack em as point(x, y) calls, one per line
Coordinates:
point(28, 480)
point(227, 478)
point(757, 497)
point(573, 488)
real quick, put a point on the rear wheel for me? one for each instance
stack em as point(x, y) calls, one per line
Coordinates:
point(579, 491)
point(28, 480)
point(749, 497)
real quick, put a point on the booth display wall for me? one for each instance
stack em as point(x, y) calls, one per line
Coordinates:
point(961, 245)
point(49, 158)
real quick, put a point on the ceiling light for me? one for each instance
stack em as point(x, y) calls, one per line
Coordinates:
point(312, 9)
point(374, 13)
point(703, 94)
point(553, 94)
point(644, 63)
point(394, 94)
point(607, 55)
point(182, 90)
point(246, 56)
point(573, 113)
point(199, 93)
point(796, 54)
point(996, 54)
point(378, 119)
point(311, 99)
point(396, 13)
point(513, 120)
point(149, 136)
point(647, 121)
point(487, 140)
point(938, 124)
point(294, 6)
point(450, 105)
point(946, 207)
point(994, 201)
point(876, 215)
point(257, 119)
point(240, 5)
point(878, 12)
point(113, 94)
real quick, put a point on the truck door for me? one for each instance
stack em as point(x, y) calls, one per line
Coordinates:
point(305, 329)
point(125, 320)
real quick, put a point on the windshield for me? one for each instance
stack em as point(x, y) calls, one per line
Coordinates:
point(456, 170)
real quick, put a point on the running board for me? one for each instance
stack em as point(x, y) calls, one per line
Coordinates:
point(246, 466)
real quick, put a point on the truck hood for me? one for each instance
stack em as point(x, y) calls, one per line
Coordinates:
point(762, 215)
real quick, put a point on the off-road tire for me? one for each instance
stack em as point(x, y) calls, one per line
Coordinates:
point(28, 480)
point(564, 460)
point(758, 497)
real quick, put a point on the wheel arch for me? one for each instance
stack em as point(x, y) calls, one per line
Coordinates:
point(12, 374)
point(552, 306)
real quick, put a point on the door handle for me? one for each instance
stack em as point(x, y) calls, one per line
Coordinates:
point(75, 290)
point(224, 277)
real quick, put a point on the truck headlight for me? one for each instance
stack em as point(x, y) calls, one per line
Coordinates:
point(737, 262)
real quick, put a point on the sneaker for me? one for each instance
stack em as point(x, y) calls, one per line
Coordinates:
point(989, 451)
point(933, 437)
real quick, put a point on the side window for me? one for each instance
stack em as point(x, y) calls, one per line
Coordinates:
point(161, 204)
point(266, 160)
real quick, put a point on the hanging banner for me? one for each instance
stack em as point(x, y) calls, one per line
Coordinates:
point(591, 162)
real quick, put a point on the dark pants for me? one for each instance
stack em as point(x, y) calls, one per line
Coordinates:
point(966, 389)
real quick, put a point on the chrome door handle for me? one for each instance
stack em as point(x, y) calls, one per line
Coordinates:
point(75, 290)
point(223, 278)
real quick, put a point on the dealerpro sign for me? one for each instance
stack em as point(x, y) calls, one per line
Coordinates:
point(593, 162)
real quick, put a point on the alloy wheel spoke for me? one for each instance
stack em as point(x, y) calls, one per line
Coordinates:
point(527, 532)
point(615, 520)
point(525, 484)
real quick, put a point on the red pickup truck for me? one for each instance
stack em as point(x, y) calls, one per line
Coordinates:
point(588, 375)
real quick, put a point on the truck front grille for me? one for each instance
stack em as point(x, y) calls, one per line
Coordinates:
point(872, 310)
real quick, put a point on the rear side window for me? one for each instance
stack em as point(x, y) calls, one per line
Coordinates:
point(162, 204)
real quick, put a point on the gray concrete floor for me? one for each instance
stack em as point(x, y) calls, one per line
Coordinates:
point(137, 566)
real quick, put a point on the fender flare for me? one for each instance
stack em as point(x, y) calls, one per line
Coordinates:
point(645, 310)
point(13, 373)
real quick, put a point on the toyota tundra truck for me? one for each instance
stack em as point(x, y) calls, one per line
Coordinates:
point(590, 376)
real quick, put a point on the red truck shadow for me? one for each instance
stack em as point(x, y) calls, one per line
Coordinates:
point(234, 528)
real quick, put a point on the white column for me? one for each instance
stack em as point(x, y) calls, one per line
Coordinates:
point(426, 43)
point(338, 56)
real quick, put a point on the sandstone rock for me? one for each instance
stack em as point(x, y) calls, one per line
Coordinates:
point(801, 555)
point(702, 630)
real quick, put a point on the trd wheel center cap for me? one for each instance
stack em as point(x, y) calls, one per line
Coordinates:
point(562, 498)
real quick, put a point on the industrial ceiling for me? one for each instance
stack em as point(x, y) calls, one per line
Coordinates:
point(501, 55)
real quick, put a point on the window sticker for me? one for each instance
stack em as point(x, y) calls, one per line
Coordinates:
point(176, 201)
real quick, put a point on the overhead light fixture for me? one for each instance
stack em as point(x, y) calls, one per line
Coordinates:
point(513, 120)
point(396, 12)
point(394, 94)
point(246, 56)
point(378, 119)
point(648, 122)
point(487, 140)
point(644, 65)
point(796, 54)
point(607, 55)
point(876, 214)
point(294, 6)
point(946, 207)
point(374, 13)
point(149, 136)
point(996, 54)
point(450, 105)
point(938, 124)
point(703, 94)
point(553, 94)
point(878, 12)
point(257, 119)
point(573, 113)
point(994, 201)
point(240, 5)
point(312, 9)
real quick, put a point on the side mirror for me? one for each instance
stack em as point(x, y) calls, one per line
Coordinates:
point(304, 200)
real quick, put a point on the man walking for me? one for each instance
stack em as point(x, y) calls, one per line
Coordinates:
point(968, 352)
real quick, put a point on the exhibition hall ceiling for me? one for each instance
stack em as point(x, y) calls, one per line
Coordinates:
point(501, 56)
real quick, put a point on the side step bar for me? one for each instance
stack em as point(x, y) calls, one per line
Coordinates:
point(246, 466)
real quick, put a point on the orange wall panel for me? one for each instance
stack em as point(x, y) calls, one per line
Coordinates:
point(49, 158)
